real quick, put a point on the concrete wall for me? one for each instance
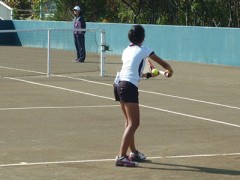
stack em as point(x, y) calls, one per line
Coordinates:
point(181, 43)
point(59, 39)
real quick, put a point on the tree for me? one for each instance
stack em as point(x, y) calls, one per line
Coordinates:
point(23, 9)
point(101, 10)
point(135, 6)
point(222, 13)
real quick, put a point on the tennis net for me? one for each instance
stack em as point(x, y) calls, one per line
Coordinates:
point(48, 51)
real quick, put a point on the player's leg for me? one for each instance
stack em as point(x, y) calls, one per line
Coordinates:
point(127, 94)
point(131, 111)
point(132, 114)
point(135, 155)
point(132, 143)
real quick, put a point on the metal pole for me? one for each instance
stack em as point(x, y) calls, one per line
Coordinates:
point(40, 9)
point(48, 55)
point(11, 14)
point(103, 52)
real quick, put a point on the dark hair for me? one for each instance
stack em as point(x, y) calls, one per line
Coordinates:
point(136, 34)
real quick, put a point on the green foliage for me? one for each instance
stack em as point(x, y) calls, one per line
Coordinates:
point(224, 13)
point(101, 10)
point(36, 4)
point(21, 8)
point(64, 10)
point(27, 9)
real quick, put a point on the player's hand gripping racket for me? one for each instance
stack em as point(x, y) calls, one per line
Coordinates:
point(151, 68)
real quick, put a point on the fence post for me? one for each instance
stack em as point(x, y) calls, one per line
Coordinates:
point(48, 54)
point(103, 52)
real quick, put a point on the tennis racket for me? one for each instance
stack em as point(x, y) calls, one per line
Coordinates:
point(151, 67)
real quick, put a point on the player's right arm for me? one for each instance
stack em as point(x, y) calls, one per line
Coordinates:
point(162, 63)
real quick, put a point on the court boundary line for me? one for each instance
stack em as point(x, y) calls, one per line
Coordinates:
point(192, 116)
point(23, 70)
point(57, 87)
point(55, 107)
point(106, 160)
point(104, 97)
point(156, 93)
point(144, 91)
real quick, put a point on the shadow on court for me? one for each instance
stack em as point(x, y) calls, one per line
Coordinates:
point(189, 168)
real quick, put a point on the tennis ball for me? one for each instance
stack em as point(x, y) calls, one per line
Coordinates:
point(155, 72)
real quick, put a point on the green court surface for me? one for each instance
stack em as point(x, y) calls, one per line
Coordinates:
point(69, 126)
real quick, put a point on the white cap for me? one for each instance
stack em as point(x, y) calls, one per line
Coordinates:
point(77, 8)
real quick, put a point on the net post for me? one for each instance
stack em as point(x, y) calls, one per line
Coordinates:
point(11, 14)
point(103, 52)
point(48, 54)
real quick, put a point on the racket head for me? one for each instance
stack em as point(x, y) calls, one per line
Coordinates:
point(149, 66)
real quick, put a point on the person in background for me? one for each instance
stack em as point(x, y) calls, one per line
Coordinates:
point(79, 36)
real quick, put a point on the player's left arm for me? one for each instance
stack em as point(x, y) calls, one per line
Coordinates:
point(147, 75)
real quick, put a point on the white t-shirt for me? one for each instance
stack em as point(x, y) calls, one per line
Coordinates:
point(133, 58)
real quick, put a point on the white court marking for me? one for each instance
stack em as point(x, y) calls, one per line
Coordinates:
point(192, 116)
point(149, 92)
point(161, 94)
point(57, 107)
point(106, 160)
point(104, 97)
point(23, 70)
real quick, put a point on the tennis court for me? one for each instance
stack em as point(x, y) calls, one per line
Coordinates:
point(69, 127)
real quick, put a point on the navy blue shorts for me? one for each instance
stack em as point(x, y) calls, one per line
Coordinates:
point(126, 91)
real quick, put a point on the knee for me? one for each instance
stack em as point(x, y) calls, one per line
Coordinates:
point(134, 125)
point(137, 124)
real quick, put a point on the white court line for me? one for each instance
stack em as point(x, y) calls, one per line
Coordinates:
point(190, 99)
point(104, 97)
point(161, 94)
point(149, 92)
point(23, 70)
point(61, 88)
point(106, 160)
point(59, 107)
point(192, 116)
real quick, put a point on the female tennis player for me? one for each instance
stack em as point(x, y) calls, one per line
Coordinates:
point(126, 91)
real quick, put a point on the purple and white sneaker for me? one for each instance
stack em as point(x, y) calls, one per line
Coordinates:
point(124, 161)
point(138, 157)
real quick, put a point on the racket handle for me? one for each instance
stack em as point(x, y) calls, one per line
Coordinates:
point(164, 73)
